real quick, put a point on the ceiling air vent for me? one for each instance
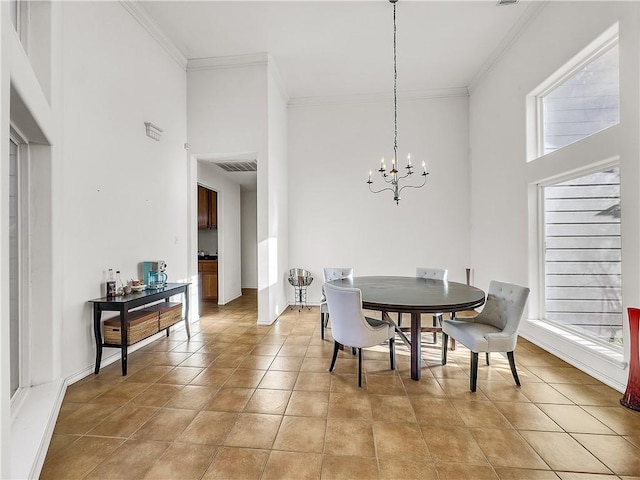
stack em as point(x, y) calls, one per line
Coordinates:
point(238, 166)
point(506, 2)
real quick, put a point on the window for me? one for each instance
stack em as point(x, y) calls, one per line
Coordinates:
point(578, 100)
point(14, 268)
point(582, 257)
point(14, 8)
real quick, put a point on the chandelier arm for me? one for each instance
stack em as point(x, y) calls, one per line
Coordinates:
point(415, 186)
point(379, 191)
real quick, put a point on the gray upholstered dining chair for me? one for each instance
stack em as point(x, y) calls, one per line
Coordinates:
point(330, 273)
point(350, 327)
point(434, 274)
point(495, 329)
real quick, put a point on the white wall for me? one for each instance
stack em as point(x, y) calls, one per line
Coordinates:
point(334, 219)
point(237, 110)
point(501, 179)
point(249, 240)
point(124, 194)
point(229, 258)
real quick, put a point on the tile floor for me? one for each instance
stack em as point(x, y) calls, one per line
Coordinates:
point(241, 401)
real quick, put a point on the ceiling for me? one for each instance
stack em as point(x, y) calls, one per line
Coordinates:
point(333, 48)
point(328, 49)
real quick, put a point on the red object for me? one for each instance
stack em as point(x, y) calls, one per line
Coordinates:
point(631, 398)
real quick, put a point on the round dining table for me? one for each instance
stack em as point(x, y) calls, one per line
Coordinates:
point(414, 296)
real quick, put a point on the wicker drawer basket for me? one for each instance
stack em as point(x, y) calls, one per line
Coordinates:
point(141, 324)
point(170, 313)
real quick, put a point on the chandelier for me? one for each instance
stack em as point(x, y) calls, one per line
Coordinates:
point(392, 178)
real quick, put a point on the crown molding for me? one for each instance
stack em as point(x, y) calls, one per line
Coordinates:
point(378, 97)
point(143, 18)
point(533, 10)
point(231, 61)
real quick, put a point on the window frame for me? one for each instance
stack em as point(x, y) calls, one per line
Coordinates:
point(534, 100)
point(613, 162)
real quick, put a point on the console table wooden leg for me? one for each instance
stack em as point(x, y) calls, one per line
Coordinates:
point(416, 347)
point(97, 315)
point(124, 336)
point(186, 310)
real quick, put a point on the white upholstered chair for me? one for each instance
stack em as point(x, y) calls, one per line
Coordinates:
point(434, 274)
point(350, 327)
point(330, 273)
point(495, 329)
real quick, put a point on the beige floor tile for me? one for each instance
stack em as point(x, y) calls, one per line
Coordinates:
point(280, 380)
point(292, 466)
point(391, 408)
point(212, 376)
point(208, 428)
point(202, 360)
point(389, 384)
point(502, 392)
point(157, 395)
point(121, 393)
point(268, 401)
point(78, 458)
point(166, 425)
point(313, 382)
point(506, 473)
point(348, 468)
point(459, 471)
point(435, 411)
point(182, 461)
point(427, 386)
point(257, 362)
point(584, 476)
point(192, 397)
point(619, 419)
point(254, 430)
point(308, 404)
point(526, 416)
point(600, 395)
point(543, 393)
point(86, 391)
point(301, 434)
point(245, 378)
point(293, 351)
point(395, 439)
point(574, 419)
point(394, 469)
point(237, 464)
point(230, 399)
point(621, 456)
point(287, 364)
point(149, 375)
point(453, 444)
point(480, 415)
point(349, 437)
point(133, 459)
point(343, 405)
point(506, 448)
point(265, 349)
point(123, 422)
point(458, 389)
point(562, 452)
point(86, 417)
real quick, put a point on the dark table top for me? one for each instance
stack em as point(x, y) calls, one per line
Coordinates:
point(411, 294)
point(149, 295)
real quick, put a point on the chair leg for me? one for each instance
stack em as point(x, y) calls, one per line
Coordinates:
point(359, 367)
point(474, 371)
point(487, 354)
point(392, 353)
point(399, 319)
point(435, 324)
point(336, 347)
point(322, 324)
point(512, 364)
point(445, 341)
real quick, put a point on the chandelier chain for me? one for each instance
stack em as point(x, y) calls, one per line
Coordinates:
point(395, 89)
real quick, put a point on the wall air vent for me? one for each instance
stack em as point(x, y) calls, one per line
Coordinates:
point(238, 166)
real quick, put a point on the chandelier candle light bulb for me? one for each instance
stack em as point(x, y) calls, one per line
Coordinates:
point(393, 180)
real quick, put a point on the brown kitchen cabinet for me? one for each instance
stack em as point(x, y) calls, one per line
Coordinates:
point(208, 279)
point(207, 208)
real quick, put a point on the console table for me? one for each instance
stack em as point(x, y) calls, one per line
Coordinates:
point(124, 304)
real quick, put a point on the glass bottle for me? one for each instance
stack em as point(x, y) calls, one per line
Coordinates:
point(111, 284)
point(119, 284)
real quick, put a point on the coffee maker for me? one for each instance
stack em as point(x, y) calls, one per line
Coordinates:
point(153, 274)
